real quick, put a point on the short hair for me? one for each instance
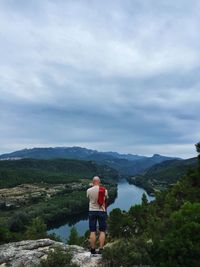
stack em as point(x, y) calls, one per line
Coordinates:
point(96, 179)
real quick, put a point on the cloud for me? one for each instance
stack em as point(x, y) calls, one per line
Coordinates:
point(110, 75)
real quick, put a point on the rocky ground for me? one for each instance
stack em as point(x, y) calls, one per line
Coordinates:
point(29, 253)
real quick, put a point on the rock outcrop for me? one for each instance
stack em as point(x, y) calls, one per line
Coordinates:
point(29, 253)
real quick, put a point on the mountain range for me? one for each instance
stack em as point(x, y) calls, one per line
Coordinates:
point(125, 164)
point(161, 176)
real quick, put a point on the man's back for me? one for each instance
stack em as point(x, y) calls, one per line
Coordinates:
point(92, 194)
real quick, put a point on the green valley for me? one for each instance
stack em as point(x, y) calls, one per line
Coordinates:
point(53, 189)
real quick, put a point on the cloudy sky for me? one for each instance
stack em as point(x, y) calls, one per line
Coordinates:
point(121, 75)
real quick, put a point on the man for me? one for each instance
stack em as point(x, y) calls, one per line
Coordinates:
point(97, 213)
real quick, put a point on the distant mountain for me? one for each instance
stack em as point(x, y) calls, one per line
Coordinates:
point(67, 152)
point(164, 174)
point(145, 163)
point(126, 164)
point(130, 157)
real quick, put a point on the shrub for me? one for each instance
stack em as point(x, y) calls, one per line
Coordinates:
point(127, 253)
point(5, 235)
point(74, 238)
point(58, 258)
point(180, 246)
point(37, 229)
point(18, 222)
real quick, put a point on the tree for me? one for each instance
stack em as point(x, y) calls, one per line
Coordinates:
point(144, 200)
point(37, 229)
point(73, 237)
point(5, 235)
point(198, 147)
point(180, 246)
point(198, 151)
point(127, 253)
point(115, 223)
point(18, 222)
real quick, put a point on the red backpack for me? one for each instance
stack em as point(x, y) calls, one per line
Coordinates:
point(101, 197)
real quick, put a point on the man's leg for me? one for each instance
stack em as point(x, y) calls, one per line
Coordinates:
point(93, 240)
point(102, 228)
point(93, 228)
point(102, 238)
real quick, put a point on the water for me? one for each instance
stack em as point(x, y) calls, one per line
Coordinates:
point(127, 196)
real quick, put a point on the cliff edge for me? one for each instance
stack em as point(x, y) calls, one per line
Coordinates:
point(29, 253)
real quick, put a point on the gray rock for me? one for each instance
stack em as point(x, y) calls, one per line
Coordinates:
point(29, 253)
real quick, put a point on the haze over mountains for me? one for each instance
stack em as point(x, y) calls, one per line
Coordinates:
point(125, 164)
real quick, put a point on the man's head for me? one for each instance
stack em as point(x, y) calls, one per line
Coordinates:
point(96, 180)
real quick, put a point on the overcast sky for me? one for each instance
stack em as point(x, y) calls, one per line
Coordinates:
point(107, 75)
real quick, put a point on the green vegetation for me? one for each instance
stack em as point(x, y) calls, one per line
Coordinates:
point(36, 230)
point(57, 192)
point(75, 239)
point(58, 258)
point(163, 233)
point(21, 227)
point(15, 172)
point(162, 175)
point(198, 150)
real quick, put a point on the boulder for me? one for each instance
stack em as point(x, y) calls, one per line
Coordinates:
point(28, 253)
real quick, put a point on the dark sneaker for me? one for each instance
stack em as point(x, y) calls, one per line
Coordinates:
point(93, 251)
point(100, 251)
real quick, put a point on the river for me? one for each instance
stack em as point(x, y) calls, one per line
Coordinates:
point(127, 196)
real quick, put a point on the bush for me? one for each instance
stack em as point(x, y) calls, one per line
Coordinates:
point(18, 222)
point(37, 229)
point(58, 258)
point(115, 223)
point(127, 253)
point(5, 235)
point(181, 244)
point(74, 238)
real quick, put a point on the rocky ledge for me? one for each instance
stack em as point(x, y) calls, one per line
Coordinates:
point(29, 253)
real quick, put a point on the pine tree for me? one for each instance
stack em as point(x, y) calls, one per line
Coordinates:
point(198, 151)
point(37, 229)
point(115, 223)
point(198, 147)
point(73, 237)
point(144, 200)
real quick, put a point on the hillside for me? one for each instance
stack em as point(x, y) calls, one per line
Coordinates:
point(15, 172)
point(53, 189)
point(162, 175)
point(125, 164)
point(162, 233)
